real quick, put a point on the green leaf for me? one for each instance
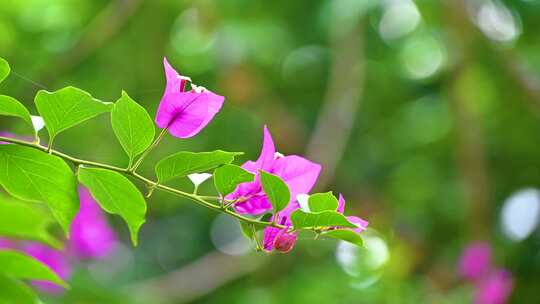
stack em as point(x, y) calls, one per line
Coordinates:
point(267, 217)
point(33, 175)
point(183, 163)
point(301, 219)
point(227, 177)
point(10, 106)
point(21, 266)
point(66, 108)
point(132, 125)
point(4, 69)
point(345, 235)
point(277, 191)
point(116, 195)
point(322, 201)
point(22, 221)
point(247, 229)
point(15, 291)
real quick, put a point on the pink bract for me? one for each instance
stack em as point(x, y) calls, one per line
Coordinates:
point(475, 262)
point(91, 235)
point(185, 113)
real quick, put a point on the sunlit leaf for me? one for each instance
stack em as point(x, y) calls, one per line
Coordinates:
point(132, 125)
point(301, 219)
point(10, 106)
point(228, 177)
point(183, 163)
point(33, 175)
point(66, 108)
point(344, 235)
point(22, 221)
point(21, 266)
point(116, 195)
point(4, 69)
point(322, 201)
point(277, 191)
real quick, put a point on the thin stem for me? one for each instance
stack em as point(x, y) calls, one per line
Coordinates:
point(147, 151)
point(210, 198)
point(228, 204)
point(49, 145)
point(201, 200)
point(256, 238)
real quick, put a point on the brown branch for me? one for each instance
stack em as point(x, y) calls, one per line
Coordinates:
point(195, 280)
point(521, 75)
point(340, 107)
point(470, 151)
point(508, 60)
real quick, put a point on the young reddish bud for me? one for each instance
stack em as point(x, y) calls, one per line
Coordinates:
point(285, 241)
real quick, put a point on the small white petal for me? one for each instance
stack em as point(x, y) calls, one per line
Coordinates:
point(199, 178)
point(37, 122)
point(197, 89)
point(303, 200)
point(184, 78)
point(278, 155)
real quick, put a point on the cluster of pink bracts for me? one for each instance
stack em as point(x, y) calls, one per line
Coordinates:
point(91, 237)
point(184, 113)
point(492, 285)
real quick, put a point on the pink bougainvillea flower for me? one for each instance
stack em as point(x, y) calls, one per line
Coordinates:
point(185, 113)
point(362, 224)
point(6, 244)
point(5, 134)
point(280, 239)
point(91, 235)
point(298, 173)
point(54, 259)
point(495, 288)
point(9, 135)
point(475, 262)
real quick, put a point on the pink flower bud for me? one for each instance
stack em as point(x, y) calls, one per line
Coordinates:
point(285, 241)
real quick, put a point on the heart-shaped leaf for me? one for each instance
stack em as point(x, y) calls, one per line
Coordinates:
point(20, 220)
point(301, 219)
point(132, 125)
point(66, 108)
point(183, 163)
point(21, 266)
point(228, 177)
point(10, 106)
point(116, 195)
point(276, 190)
point(322, 201)
point(33, 175)
point(4, 69)
point(344, 235)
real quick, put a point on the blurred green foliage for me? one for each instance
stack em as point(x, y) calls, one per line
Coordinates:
point(445, 123)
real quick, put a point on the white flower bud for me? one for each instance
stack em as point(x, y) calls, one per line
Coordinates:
point(198, 178)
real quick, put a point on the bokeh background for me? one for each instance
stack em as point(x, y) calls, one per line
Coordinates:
point(425, 114)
